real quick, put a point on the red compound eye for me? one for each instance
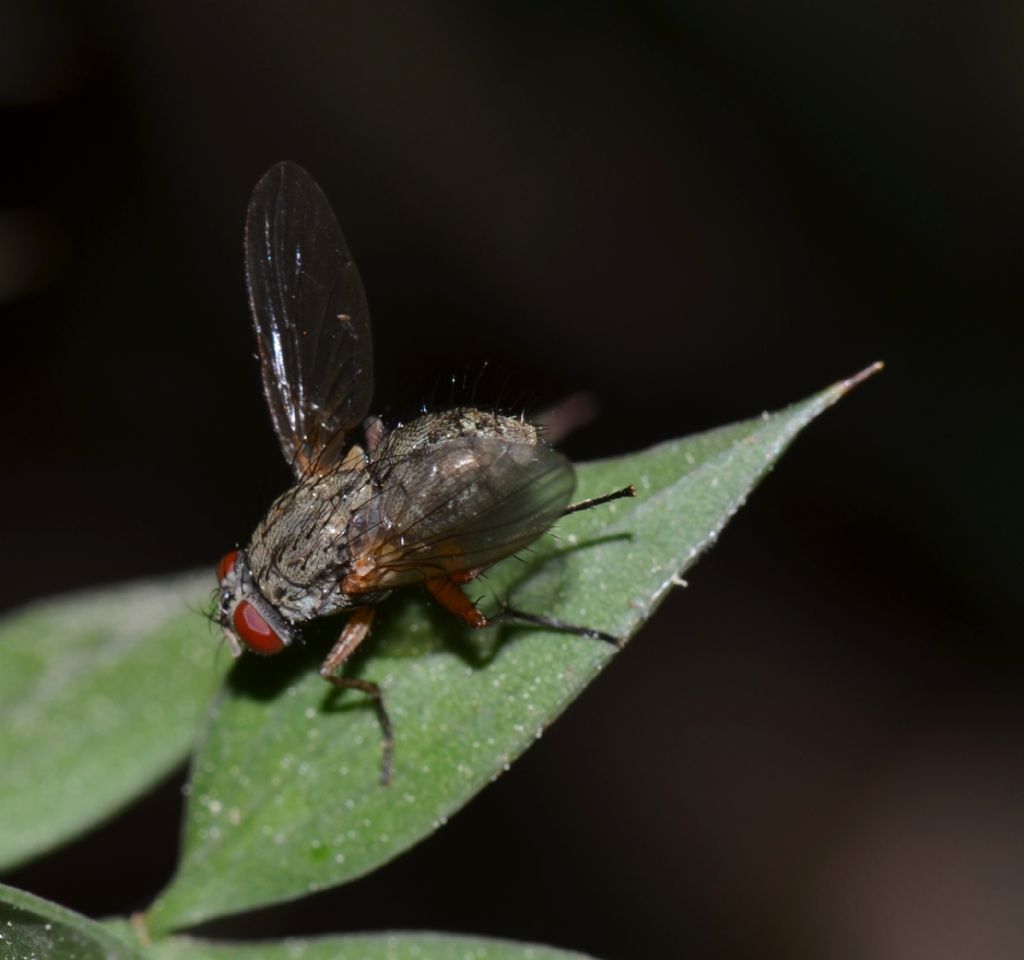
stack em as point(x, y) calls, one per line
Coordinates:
point(227, 564)
point(254, 631)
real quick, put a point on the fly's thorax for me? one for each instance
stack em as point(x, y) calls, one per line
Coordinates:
point(304, 546)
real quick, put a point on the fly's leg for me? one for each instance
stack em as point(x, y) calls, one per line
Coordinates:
point(355, 632)
point(446, 591)
point(374, 431)
point(511, 613)
point(355, 459)
point(575, 411)
point(629, 491)
point(539, 620)
point(374, 692)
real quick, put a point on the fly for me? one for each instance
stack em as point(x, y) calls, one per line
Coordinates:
point(432, 502)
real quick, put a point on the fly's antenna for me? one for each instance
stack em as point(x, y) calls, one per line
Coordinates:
point(208, 611)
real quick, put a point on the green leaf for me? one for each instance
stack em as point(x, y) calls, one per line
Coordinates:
point(405, 946)
point(35, 929)
point(101, 694)
point(285, 797)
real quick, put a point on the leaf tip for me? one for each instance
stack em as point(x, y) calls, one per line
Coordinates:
point(845, 386)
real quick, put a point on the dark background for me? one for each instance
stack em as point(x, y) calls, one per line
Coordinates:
point(695, 211)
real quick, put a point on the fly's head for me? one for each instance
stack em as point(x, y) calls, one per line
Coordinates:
point(248, 619)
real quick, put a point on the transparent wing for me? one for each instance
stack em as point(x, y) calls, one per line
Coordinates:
point(461, 505)
point(312, 323)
